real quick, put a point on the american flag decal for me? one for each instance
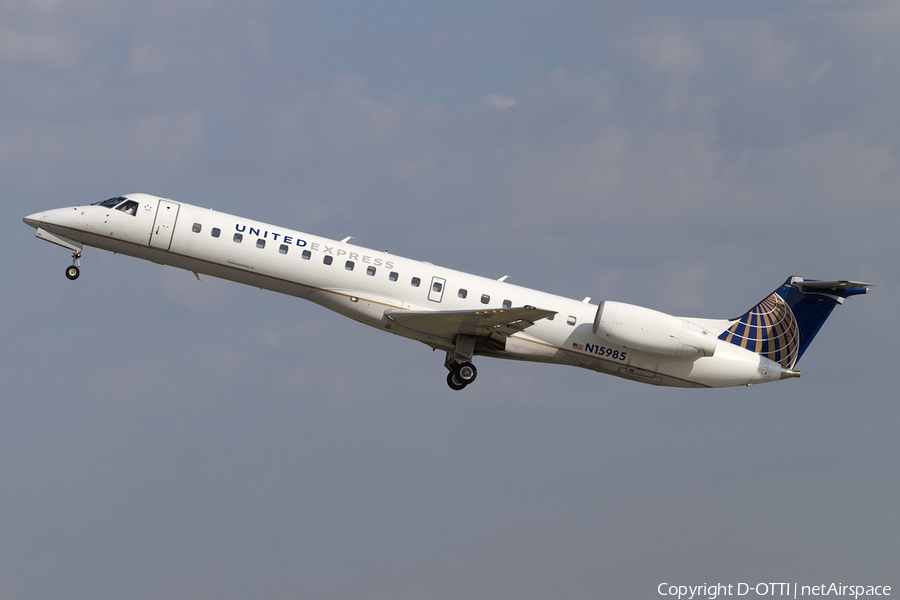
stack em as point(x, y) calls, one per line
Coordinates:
point(578, 346)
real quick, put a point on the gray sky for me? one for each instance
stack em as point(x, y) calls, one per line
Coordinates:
point(164, 438)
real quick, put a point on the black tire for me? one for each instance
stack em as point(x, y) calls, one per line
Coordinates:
point(72, 273)
point(466, 373)
point(453, 383)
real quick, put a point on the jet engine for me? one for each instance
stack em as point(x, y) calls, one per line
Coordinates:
point(651, 331)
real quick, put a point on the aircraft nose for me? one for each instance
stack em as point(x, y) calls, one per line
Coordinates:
point(34, 220)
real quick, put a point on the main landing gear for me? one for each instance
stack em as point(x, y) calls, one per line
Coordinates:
point(461, 375)
point(459, 363)
point(74, 271)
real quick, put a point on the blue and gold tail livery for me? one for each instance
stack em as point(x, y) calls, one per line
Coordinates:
point(782, 326)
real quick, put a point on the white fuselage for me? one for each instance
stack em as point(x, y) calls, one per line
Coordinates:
point(366, 285)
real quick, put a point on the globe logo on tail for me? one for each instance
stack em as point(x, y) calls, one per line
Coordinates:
point(769, 329)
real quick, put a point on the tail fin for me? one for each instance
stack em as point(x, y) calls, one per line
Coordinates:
point(782, 326)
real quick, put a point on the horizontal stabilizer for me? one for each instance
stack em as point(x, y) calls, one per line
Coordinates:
point(842, 288)
point(450, 323)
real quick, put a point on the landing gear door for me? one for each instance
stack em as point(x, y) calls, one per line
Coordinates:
point(164, 225)
point(436, 293)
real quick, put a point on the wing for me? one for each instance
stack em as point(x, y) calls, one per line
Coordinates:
point(450, 323)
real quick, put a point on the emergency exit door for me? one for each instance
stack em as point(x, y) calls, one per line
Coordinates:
point(164, 225)
point(436, 293)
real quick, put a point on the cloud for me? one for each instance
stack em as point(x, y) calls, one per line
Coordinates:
point(339, 114)
point(878, 19)
point(51, 49)
point(667, 47)
point(759, 45)
point(499, 102)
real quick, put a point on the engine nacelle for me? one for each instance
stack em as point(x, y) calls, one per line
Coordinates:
point(651, 331)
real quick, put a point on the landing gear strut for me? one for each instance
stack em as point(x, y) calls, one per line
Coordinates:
point(74, 271)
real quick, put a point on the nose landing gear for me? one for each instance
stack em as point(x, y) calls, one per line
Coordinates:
point(74, 271)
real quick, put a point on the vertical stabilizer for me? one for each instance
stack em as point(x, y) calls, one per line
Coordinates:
point(782, 326)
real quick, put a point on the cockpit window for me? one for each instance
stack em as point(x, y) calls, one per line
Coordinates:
point(129, 207)
point(111, 202)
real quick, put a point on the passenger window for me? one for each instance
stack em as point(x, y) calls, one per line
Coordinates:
point(260, 243)
point(349, 265)
point(131, 207)
point(485, 298)
point(462, 293)
point(238, 238)
point(283, 248)
point(507, 304)
point(415, 282)
point(393, 276)
point(437, 286)
point(328, 259)
point(570, 320)
point(306, 255)
point(197, 227)
point(370, 271)
point(216, 232)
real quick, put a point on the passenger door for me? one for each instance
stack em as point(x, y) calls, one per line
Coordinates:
point(164, 225)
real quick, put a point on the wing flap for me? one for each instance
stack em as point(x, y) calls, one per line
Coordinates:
point(450, 323)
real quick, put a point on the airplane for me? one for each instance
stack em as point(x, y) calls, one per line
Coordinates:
point(462, 314)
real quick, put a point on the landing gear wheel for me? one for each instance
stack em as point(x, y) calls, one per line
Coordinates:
point(465, 373)
point(72, 273)
point(461, 375)
point(453, 383)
